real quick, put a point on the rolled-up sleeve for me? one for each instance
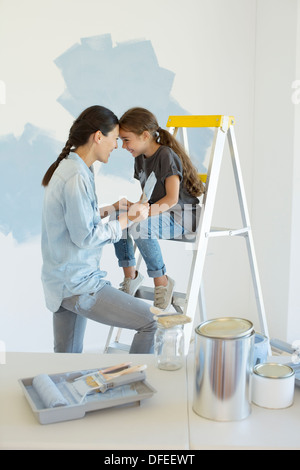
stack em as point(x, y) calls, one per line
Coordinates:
point(83, 219)
point(170, 165)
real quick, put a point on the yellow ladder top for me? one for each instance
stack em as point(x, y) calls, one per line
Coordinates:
point(199, 121)
point(202, 177)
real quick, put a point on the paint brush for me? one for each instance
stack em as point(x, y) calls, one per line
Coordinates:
point(107, 370)
point(169, 319)
point(100, 382)
point(157, 312)
point(149, 187)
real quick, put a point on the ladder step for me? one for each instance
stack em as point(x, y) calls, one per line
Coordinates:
point(144, 292)
point(147, 293)
point(186, 238)
point(116, 347)
point(281, 345)
point(227, 232)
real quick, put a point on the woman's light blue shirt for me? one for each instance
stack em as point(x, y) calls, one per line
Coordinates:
point(73, 233)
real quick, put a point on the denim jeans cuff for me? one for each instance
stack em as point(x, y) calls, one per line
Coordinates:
point(158, 272)
point(126, 263)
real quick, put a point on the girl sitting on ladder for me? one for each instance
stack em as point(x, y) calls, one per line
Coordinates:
point(174, 204)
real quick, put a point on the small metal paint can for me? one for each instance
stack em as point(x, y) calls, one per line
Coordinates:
point(223, 366)
point(273, 385)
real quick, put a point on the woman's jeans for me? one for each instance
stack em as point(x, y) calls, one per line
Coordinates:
point(146, 234)
point(109, 306)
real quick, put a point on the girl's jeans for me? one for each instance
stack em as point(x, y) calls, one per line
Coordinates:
point(109, 306)
point(146, 234)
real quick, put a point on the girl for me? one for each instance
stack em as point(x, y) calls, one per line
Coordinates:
point(173, 205)
point(73, 236)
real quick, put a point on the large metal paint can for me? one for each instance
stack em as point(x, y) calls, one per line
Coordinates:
point(223, 366)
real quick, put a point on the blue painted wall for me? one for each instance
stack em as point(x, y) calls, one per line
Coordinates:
point(94, 72)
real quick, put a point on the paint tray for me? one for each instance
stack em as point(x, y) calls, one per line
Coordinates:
point(69, 402)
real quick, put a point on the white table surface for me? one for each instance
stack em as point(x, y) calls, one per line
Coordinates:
point(262, 429)
point(160, 422)
point(165, 421)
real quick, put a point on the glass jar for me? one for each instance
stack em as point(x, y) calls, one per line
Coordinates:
point(169, 347)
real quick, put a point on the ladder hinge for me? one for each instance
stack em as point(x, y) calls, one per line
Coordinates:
point(225, 123)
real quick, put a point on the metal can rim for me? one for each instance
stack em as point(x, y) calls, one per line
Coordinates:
point(237, 335)
point(275, 365)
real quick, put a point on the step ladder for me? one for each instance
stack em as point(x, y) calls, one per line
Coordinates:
point(187, 303)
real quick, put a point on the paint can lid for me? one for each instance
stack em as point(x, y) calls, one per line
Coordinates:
point(225, 328)
point(272, 370)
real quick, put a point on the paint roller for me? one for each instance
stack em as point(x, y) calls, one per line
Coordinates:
point(48, 391)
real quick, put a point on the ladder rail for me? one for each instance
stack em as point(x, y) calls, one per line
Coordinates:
point(201, 242)
point(249, 238)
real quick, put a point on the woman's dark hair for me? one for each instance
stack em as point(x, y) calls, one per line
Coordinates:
point(138, 120)
point(93, 119)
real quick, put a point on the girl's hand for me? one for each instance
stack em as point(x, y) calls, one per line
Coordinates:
point(172, 187)
point(138, 212)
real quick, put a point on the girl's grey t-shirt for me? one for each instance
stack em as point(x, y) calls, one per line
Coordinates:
point(165, 162)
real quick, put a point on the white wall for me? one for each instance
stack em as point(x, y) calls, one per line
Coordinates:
point(236, 57)
point(293, 324)
point(275, 192)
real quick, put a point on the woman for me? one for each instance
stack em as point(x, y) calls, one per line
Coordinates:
point(73, 236)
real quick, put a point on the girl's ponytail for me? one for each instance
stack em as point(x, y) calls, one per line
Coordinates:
point(190, 176)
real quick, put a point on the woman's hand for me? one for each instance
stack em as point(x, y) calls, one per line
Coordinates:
point(120, 206)
point(138, 212)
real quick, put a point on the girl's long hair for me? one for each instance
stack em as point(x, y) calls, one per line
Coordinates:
point(91, 120)
point(138, 120)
